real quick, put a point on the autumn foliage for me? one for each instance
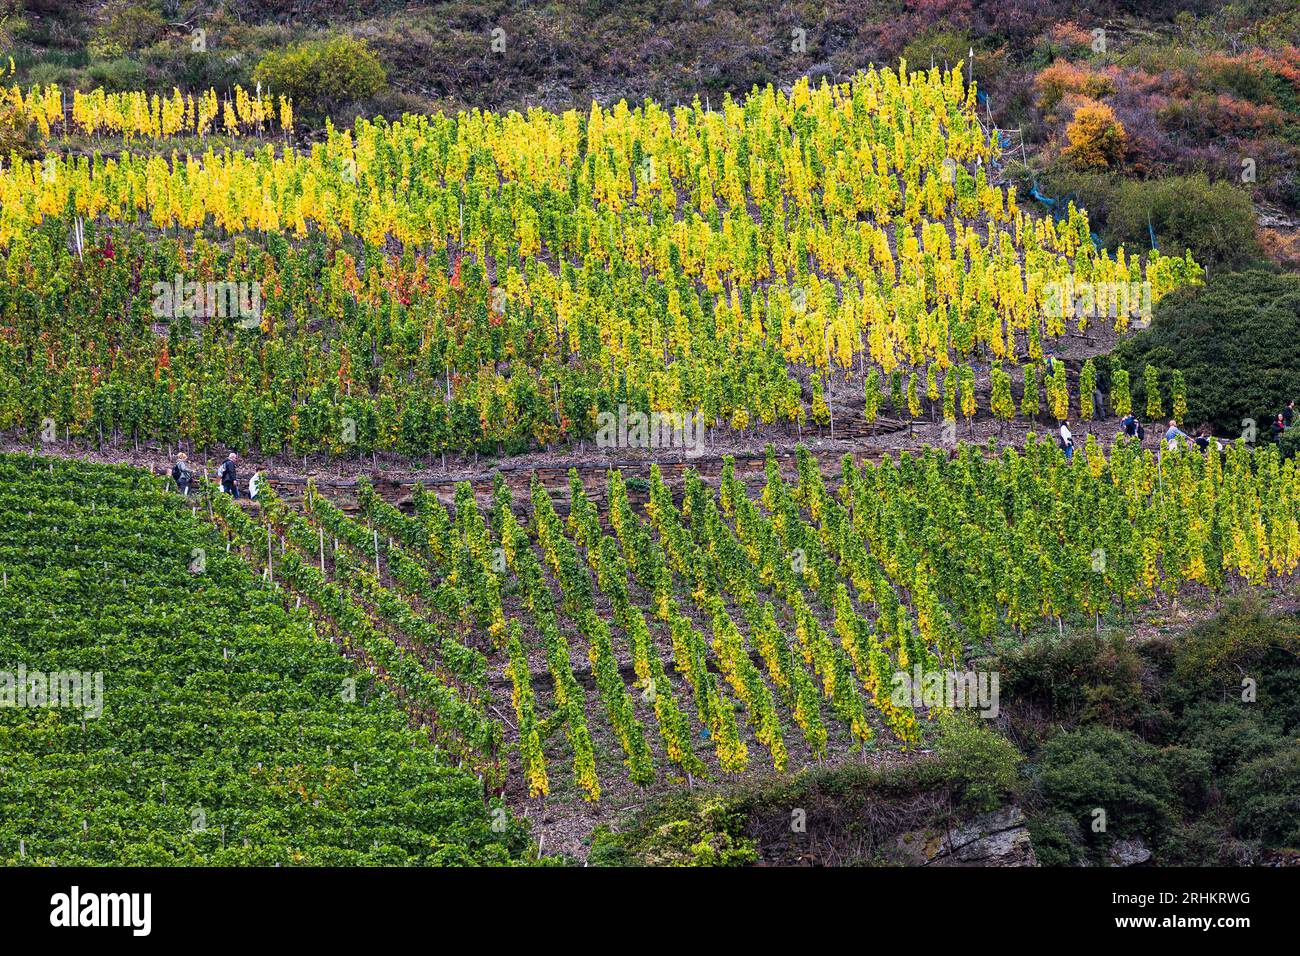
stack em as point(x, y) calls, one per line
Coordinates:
point(1096, 138)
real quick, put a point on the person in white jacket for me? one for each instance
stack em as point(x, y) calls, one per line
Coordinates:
point(1067, 441)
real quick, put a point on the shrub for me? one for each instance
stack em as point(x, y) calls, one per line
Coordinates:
point(1058, 840)
point(1265, 798)
point(1288, 442)
point(1189, 770)
point(1216, 221)
point(1229, 733)
point(1213, 656)
point(1081, 678)
point(17, 134)
point(1064, 38)
point(322, 76)
point(978, 762)
point(1052, 83)
point(126, 27)
point(1096, 138)
point(683, 832)
point(1236, 340)
point(1099, 768)
point(117, 76)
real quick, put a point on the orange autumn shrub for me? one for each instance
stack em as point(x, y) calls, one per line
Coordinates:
point(1053, 83)
point(1096, 139)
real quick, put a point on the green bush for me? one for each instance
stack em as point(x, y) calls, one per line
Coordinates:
point(1084, 677)
point(1216, 221)
point(1095, 768)
point(1288, 442)
point(1214, 656)
point(1265, 798)
point(684, 832)
point(978, 763)
point(117, 76)
point(1237, 341)
point(1057, 839)
point(126, 27)
point(1189, 770)
point(1230, 733)
point(322, 76)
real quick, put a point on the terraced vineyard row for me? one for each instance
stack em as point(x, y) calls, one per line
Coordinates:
point(730, 629)
point(159, 706)
point(496, 282)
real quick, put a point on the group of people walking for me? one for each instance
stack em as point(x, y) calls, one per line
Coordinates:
point(1132, 427)
point(227, 476)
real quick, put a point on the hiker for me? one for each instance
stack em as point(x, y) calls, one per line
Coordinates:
point(1288, 414)
point(1173, 433)
point(1049, 360)
point(1279, 426)
point(254, 485)
point(1067, 441)
point(182, 474)
point(1203, 438)
point(226, 475)
point(1130, 425)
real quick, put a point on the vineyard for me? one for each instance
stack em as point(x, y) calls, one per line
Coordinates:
point(228, 732)
point(495, 282)
point(564, 648)
point(659, 474)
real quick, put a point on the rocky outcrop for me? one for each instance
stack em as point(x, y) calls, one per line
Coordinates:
point(999, 838)
point(1128, 853)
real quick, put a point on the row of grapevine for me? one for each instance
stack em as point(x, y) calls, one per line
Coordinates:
point(500, 280)
point(227, 732)
point(815, 595)
point(134, 114)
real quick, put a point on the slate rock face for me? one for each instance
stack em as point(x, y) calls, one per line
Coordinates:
point(999, 838)
point(1128, 853)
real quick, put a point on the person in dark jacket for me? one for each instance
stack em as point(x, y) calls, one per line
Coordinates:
point(1288, 414)
point(1130, 425)
point(227, 476)
point(182, 474)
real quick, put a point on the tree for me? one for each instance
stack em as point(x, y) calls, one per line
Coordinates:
point(1121, 400)
point(1029, 405)
point(1059, 393)
point(1001, 403)
point(1178, 395)
point(967, 386)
